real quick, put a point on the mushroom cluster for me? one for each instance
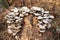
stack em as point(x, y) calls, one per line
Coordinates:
point(16, 15)
point(44, 18)
point(14, 21)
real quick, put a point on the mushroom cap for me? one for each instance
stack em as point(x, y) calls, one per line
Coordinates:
point(46, 15)
point(25, 9)
point(14, 34)
point(23, 12)
point(9, 26)
point(17, 17)
point(10, 31)
point(46, 11)
point(45, 21)
point(42, 31)
point(37, 14)
point(40, 22)
point(39, 17)
point(6, 17)
point(11, 13)
point(42, 26)
point(52, 17)
point(18, 27)
point(26, 14)
point(36, 8)
point(15, 9)
point(42, 10)
point(16, 13)
point(21, 15)
point(49, 25)
point(9, 21)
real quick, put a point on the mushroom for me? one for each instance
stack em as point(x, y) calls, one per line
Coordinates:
point(42, 26)
point(37, 14)
point(10, 31)
point(45, 21)
point(49, 25)
point(18, 20)
point(42, 31)
point(9, 26)
point(39, 17)
point(50, 16)
point(15, 32)
point(42, 10)
point(25, 9)
point(15, 9)
point(31, 12)
point(26, 14)
point(16, 13)
point(40, 22)
point(18, 27)
point(46, 15)
point(9, 21)
point(6, 17)
point(16, 17)
point(17, 37)
point(46, 11)
point(21, 15)
point(34, 8)
point(11, 13)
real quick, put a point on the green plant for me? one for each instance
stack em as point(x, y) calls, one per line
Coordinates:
point(4, 3)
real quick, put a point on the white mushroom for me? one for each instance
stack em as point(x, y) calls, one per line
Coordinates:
point(42, 31)
point(10, 31)
point(42, 26)
point(31, 12)
point(17, 37)
point(17, 17)
point(49, 26)
point(26, 14)
point(16, 9)
point(45, 21)
point(6, 17)
point(18, 27)
point(39, 17)
point(52, 17)
point(16, 13)
point(23, 12)
point(46, 11)
point(9, 26)
point(36, 8)
point(14, 34)
point(42, 10)
point(11, 13)
point(21, 18)
point(21, 15)
point(37, 14)
point(46, 15)
point(18, 20)
point(25, 9)
point(9, 21)
point(40, 22)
